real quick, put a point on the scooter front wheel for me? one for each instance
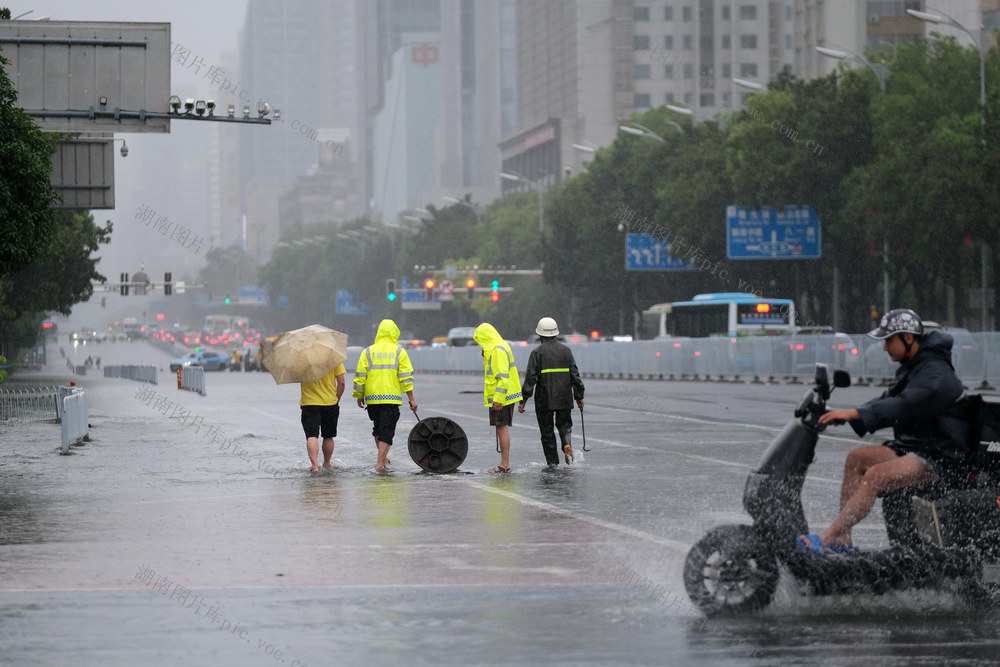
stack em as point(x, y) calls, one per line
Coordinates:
point(729, 571)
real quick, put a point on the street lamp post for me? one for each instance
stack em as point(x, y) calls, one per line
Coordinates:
point(881, 71)
point(684, 111)
point(977, 38)
point(514, 176)
point(643, 131)
point(462, 202)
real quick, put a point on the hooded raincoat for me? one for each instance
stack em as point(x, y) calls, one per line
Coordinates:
point(384, 371)
point(502, 385)
point(925, 405)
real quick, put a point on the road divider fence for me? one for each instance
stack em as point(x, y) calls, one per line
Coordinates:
point(73, 416)
point(976, 358)
point(191, 378)
point(29, 404)
point(132, 372)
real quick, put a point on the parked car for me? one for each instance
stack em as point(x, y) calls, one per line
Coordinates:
point(799, 352)
point(210, 361)
point(461, 336)
point(967, 355)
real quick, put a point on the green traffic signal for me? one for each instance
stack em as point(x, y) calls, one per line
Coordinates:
point(496, 285)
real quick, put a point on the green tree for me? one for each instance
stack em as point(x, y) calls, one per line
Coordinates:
point(27, 220)
point(588, 219)
point(794, 146)
point(61, 276)
point(923, 194)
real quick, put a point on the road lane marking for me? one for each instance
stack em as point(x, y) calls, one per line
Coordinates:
point(699, 457)
point(555, 509)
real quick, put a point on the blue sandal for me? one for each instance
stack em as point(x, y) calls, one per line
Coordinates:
point(809, 543)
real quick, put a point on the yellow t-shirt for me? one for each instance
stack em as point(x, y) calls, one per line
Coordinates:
point(324, 390)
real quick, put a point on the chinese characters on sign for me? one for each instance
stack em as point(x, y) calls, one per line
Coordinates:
point(792, 233)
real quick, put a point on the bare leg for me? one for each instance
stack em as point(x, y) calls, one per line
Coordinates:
point(383, 455)
point(894, 473)
point(858, 462)
point(327, 451)
point(503, 435)
point(312, 447)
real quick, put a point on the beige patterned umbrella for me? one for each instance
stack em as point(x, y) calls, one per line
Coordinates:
point(306, 354)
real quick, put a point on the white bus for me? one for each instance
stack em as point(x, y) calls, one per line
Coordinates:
point(220, 323)
point(729, 314)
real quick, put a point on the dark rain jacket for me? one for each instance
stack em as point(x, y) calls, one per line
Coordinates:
point(552, 368)
point(925, 405)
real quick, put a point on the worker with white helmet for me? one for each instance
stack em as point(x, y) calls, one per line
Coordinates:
point(553, 378)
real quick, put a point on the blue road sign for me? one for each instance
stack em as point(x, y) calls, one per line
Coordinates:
point(253, 294)
point(346, 305)
point(793, 233)
point(645, 253)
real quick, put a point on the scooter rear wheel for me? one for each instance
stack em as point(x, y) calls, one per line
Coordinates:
point(729, 571)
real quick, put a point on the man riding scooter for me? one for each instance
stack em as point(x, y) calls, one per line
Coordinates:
point(926, 406)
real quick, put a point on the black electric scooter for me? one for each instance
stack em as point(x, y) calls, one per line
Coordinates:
point(941, 537)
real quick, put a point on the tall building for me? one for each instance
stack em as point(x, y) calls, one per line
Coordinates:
point(871, 30)
point(300, 56)
point(584, 66)
point(438, 95)
point(688, 52)
point(381, 25)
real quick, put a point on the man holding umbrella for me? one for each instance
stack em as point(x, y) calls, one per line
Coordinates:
point(383, 375)
point(552, 371)
point(320, 405)
point(314, 357)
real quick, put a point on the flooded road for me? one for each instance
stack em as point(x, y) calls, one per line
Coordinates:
point(189, 530)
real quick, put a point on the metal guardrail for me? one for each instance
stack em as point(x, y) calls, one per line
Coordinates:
point(132, 372)
point(192, 378)
point(976, 358)
point(29, 404)
point(75, 418)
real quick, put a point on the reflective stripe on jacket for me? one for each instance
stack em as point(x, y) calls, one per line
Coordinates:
point(552, 377)
point(501, 383)
point(384, 371)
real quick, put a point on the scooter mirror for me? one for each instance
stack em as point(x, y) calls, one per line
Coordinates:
point(841, 379)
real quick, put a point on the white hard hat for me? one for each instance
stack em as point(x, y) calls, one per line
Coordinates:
point(547, 327)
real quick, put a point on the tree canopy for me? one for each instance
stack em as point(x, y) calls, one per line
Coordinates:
point(902, 181)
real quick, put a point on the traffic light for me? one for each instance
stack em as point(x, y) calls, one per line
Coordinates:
point(124, 284)
point(470, 285)
point(390, 289)
point(227, 298)
point(168, 288)
point(495, 295)
point(429, 285)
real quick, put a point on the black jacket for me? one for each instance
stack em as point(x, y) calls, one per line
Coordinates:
point(552, 368)
point(926, 404)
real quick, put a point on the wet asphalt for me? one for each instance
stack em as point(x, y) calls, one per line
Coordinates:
point(189, 530)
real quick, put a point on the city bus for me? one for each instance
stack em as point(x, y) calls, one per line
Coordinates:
point(220, 323)
point(729, 314)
